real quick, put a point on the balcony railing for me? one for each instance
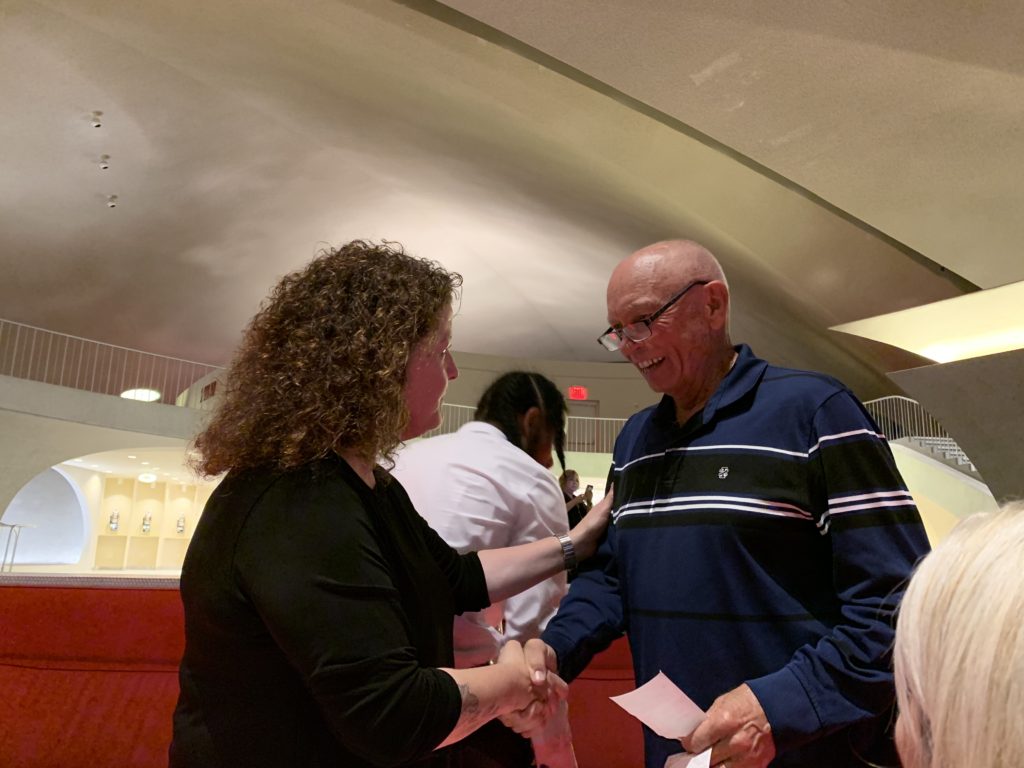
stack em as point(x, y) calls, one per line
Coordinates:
point(904, 420)
point(452, 419)
point(27, 352)
point(39, 355)
point(583, 433)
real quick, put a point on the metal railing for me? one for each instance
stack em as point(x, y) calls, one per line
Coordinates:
point(583, 433)
point(452, 419)
point(27, 352)
point(589, 434)
point(905, 420)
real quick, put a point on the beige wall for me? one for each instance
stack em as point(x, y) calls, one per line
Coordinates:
point(980, 403)
point(42, 425)
point(943, 495)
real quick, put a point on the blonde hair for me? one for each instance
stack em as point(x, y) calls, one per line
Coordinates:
point(959, 653)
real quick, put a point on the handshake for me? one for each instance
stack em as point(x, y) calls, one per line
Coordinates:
point(540, 706)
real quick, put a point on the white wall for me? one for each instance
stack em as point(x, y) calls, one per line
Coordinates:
point(42, 425)
point(55, 520)
point(943, 495)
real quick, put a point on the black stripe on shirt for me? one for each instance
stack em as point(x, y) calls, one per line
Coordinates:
point(776, 477)
point(849, 521)
point(734, 617)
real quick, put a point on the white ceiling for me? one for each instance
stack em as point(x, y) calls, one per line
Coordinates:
point(843, 160)
point(168, 464)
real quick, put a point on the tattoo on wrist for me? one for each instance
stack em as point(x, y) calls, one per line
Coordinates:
point(470, 701)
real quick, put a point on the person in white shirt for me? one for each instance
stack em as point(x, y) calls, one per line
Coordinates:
point(486, 486)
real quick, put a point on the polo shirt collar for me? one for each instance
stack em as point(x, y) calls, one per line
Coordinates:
point(738, 382)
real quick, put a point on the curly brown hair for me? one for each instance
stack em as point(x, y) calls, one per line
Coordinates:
point(322, 366)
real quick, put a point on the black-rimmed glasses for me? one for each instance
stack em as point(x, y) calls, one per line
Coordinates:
point(641, 329)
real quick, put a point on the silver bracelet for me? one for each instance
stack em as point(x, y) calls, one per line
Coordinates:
point(568, 551)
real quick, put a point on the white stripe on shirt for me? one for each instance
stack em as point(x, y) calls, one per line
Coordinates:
point(841, 435)
point(738, 504)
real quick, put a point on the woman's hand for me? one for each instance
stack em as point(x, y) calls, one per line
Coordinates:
point(588, 531)
point(518, 681)
point(574, 502)
point(549, 689)
point(521, 687)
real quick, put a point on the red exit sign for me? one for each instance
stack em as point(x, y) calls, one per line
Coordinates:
point(577, 392)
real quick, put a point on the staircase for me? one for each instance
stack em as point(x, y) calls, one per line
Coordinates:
point(943, 449)
point(904, 421)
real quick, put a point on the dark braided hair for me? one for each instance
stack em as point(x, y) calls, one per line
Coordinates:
point(514, 393)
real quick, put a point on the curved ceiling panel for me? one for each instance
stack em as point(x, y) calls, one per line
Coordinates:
point(244, 136)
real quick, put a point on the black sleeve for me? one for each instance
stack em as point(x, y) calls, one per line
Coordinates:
point(465, 574)
point(311, 565)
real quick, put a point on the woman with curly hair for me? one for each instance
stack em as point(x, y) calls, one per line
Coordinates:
point(318, 603)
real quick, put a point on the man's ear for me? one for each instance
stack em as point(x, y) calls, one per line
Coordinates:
point(717, 305)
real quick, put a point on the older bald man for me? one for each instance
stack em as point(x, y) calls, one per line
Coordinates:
point(762, 536)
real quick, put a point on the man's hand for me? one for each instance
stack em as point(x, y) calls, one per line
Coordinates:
point(549, 689)
point(588, 531)
point(737, 730)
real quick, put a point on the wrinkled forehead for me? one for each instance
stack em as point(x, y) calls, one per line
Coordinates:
point(647, 279)
point(631, 297)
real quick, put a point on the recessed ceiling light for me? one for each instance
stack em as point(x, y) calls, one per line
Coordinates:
point(147, 477)
point(130, 456)
point(145, 463)
point(145, 395)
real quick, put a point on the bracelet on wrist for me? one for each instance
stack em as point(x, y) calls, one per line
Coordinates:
point(568, 552)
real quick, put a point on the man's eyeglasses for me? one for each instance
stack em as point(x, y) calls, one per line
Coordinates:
point(640, 330)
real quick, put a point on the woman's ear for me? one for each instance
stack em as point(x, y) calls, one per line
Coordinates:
point(529, 422)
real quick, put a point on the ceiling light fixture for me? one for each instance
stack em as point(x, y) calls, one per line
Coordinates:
point(145, 395)
point(147, 477)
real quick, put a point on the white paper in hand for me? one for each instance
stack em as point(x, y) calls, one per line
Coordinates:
point(662, 707)
point(686, 760)
point(666, 710)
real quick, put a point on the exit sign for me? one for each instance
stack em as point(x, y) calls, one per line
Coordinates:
point(577, 392)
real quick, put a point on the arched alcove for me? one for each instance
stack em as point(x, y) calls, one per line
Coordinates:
point(55, 519)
